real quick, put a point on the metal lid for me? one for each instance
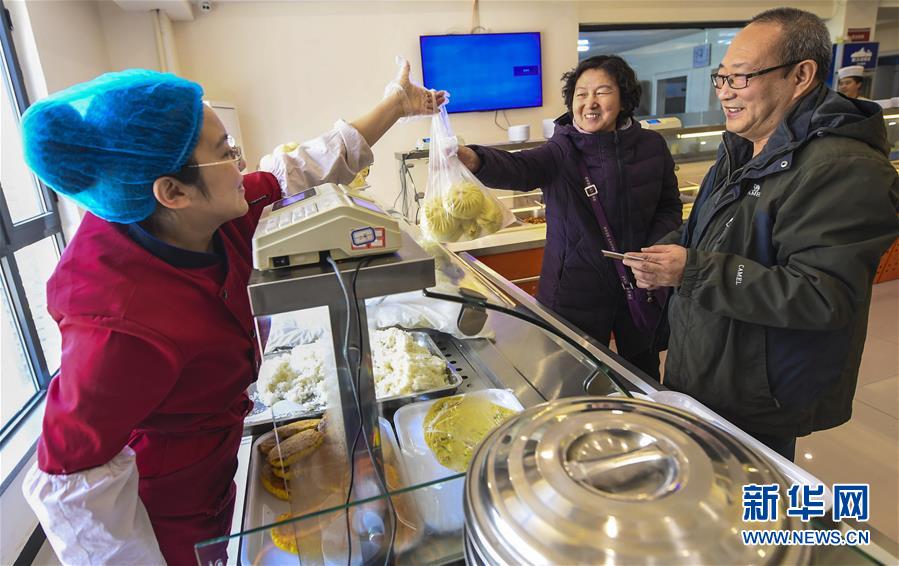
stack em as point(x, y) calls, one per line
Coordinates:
point(608, 480)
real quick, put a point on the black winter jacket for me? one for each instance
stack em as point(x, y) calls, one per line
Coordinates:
point(634, 173)
point(769, 323)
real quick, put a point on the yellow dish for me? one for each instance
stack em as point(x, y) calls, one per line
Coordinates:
point(454, 426)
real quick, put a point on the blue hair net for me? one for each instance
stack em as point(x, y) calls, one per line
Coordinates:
point(102, 143)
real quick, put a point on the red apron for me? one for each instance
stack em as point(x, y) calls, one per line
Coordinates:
point(159, 358)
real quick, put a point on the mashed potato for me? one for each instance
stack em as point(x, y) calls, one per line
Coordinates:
point(298, 376)
point(403, 366)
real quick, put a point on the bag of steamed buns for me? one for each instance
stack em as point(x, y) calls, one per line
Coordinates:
point(456, 205)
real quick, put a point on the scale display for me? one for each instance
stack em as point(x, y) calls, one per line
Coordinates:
point(293, 199)
point(297, 229)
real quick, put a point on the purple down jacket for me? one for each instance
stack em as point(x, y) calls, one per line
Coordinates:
point(634, 173)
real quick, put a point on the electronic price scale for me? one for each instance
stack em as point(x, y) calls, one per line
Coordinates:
point(296, 229)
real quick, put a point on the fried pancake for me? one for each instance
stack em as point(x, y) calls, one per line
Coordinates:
point(285, 432)
point(295, 448)
point(278, 487)
point(283, 535)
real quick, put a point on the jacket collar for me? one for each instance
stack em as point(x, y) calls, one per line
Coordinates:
point(172, 255)
point(626, 132)
point(819, 113)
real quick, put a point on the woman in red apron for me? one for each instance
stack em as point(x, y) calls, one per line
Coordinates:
point(143, 422)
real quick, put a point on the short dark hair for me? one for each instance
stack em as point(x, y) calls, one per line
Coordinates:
point(803, 36)
point(618, 69)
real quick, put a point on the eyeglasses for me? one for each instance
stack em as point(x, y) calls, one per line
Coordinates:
point(233, 149)
point(741, 80)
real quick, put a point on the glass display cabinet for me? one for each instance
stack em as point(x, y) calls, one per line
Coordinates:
point(363, 478)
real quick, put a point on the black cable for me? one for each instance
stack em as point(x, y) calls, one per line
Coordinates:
point(351, 300)
point(381, 480)
point(349, 493)
point(402, 191)
point(414, 193)
point(532, 320)
point(352, 451)
point(496, 120)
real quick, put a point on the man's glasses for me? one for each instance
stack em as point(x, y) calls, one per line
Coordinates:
point(741, 80)
point(233, 149)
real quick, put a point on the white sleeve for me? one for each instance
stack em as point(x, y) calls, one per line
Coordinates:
point(335, 157)
point(94, 516)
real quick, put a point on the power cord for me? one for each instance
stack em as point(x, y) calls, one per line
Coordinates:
point(381, 479)
point(496, 121)
point(352, 305)
point(352, 451)
point(414, 196)
point(482, 303)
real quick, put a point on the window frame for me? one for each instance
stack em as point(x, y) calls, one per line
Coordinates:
point(16, 236)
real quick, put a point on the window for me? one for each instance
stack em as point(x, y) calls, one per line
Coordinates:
point(30, 243)
point(672, 63)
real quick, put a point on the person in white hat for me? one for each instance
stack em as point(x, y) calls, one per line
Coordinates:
point(851, 78)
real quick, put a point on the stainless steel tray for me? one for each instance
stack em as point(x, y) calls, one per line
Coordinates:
point(453, 379)
point(262, 413)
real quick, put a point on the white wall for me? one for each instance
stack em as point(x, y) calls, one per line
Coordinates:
point(888, 36)
point(294, 68)
point(129, 37)
point(69, 40)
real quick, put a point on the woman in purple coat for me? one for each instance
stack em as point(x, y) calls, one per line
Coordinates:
point(633, 171)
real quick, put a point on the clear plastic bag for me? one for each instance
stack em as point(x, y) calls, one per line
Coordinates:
point(456, 206)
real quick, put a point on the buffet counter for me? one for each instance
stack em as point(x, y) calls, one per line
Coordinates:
point(508, 365)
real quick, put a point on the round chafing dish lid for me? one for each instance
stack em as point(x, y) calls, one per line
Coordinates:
point(596, 479)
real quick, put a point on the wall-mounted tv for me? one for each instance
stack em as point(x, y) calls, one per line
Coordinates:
point(484, 71)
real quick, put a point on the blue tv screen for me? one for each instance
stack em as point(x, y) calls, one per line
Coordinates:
point(485, 71)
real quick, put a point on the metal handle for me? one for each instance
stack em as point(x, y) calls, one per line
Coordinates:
point(612, 473)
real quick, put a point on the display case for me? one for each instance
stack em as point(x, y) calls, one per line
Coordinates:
point(406, 505)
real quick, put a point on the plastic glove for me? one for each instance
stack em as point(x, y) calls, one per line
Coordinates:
point(415, 100)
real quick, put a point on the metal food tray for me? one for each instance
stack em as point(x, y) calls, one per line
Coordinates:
point(261, 508)
point(440, 505)
point(281, 410)
point(262, 413)
point(454, 380)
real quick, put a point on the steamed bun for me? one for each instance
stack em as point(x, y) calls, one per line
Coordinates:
point(464, 200)
point(438, 224)
point(471, 229)
point(491, 217)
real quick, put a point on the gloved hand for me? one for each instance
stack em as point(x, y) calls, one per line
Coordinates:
point(415, 100)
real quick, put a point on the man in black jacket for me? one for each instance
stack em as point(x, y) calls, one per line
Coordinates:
point(773, 270)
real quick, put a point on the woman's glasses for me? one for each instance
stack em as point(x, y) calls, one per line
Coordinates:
point(233, 149)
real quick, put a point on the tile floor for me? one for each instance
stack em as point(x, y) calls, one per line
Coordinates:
point(866, 449)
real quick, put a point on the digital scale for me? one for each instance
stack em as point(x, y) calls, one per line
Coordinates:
point(296, 229)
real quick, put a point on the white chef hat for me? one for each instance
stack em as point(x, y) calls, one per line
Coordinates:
point(851, 71)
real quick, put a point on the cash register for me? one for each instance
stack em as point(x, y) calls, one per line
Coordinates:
point(298, 229)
